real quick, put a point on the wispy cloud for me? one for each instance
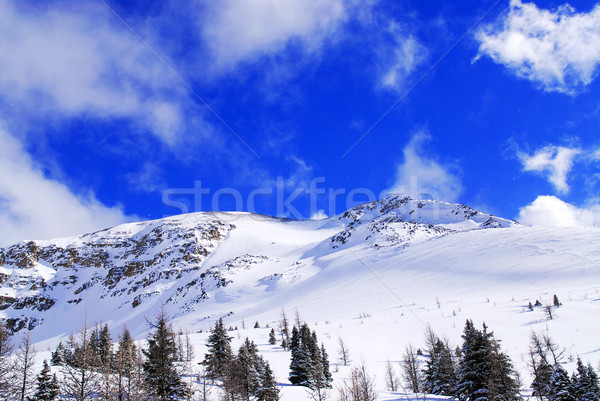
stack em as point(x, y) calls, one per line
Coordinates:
point(242, 31)
point(33, 206)
point(70, 60)
point(549, 210)
point(559, 50)
point(553, 161)
point(421, 174)
point(400, 58)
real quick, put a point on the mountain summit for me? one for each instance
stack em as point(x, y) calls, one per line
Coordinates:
point(197, 263)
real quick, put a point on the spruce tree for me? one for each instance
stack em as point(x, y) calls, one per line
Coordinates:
point(440, 372)
point(561, 388)
point(310, 363)
point(272, 338)
point(503, 381)
point(485, 372)
point(327, 378)
point(105, 346)
point(47, 385)
point(268, 390)
point(585, 383)
point(58, 356)
point(161, 374)
point(219, 355)
point(473, 368)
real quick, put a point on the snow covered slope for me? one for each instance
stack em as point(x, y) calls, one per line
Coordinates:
point(380, 271)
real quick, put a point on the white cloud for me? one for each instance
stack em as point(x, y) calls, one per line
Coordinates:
point(33, 206)
point(319, 215)
point(559, 50)
point(401, 60)
point(420, 174)
point(77, 59)
point(555, 161)
point(551, 211)
point(238, 31)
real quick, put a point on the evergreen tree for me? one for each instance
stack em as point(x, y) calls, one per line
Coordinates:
point(58, 356)
point(585, 383)
point(161, 375)
point(473, 367)
point(300, 366)
point(485, 372)
point(268, 390)
point(560, 386)
point(503, 381)
point(105, 353)
point(309, 366)
point(556, 302)
point(272, 338)
point(219, 355)
point(541, 380)
point(440, 372)
point(47, 385)
point(327, 378)
point(245, 375)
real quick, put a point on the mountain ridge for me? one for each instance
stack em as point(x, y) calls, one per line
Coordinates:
point(174, 260)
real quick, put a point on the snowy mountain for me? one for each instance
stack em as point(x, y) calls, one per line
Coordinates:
point(380, 271)
point(186, 262)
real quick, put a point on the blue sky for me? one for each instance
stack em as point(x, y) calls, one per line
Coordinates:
point(114, 111)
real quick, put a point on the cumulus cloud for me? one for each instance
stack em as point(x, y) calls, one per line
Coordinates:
point(421, 175)
point(551, 211)
point(559, 50)
point(33, 206)
point(77, 59)
point(554, 161)
point(319, 215)
point(239, 31)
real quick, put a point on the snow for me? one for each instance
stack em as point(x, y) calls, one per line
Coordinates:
point(377, 290)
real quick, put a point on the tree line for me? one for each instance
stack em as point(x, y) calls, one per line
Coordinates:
point(92, 367)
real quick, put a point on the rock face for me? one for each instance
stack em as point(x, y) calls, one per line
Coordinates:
point(130, 268)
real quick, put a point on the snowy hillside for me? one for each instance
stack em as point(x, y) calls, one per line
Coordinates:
point(375, 276)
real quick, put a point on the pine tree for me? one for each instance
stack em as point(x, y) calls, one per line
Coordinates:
point(272, 338)
point(47, 385)
point(560, 386)
point(219, 355)
point(161, 375)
